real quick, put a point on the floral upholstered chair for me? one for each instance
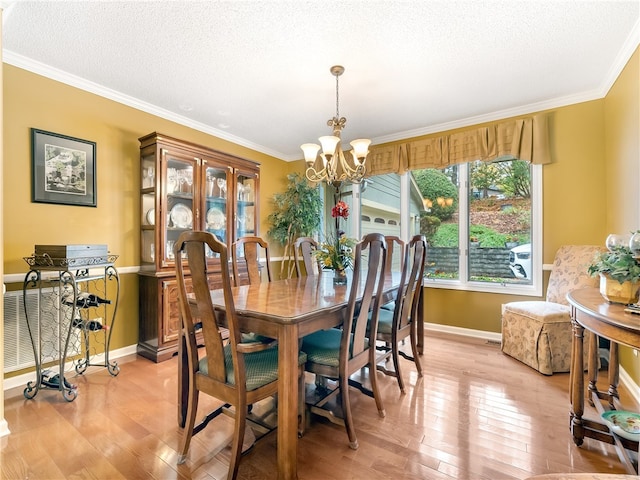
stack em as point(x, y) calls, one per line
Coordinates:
point(539, 333)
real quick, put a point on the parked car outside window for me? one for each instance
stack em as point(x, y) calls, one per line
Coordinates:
point(520, 261)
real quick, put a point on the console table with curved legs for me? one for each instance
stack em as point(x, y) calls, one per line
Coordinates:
point(589, 310)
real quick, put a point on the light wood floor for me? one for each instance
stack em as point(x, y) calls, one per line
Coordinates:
point(476, 414)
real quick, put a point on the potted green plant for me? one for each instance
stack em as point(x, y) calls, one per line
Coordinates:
point(619, 274)
point(297, 212)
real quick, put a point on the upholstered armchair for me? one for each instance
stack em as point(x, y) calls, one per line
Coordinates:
point(539, 333)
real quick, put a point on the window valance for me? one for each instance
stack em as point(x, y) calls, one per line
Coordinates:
point(525, 139)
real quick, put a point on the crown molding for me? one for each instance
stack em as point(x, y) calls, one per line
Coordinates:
point(40, 68)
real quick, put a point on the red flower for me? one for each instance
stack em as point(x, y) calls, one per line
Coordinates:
point(340, 210)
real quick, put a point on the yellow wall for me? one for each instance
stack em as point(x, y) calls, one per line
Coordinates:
point(622, 166)
point(33, 101)
point(592, 143)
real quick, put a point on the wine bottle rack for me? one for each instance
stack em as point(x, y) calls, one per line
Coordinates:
point(83, 316)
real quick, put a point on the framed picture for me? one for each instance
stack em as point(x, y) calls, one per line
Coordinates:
point(63, 169)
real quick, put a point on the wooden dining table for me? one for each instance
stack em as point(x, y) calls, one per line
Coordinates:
point(285, 310)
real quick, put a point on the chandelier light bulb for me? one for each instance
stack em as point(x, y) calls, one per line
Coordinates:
point(310, 152)
point(360, 149)
point(329, 144)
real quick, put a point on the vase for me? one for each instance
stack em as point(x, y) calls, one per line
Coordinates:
point(615, 292)
point(634, 244)
point(339, 277)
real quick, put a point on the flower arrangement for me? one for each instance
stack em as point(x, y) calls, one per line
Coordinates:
point(336, 253)
point(340, 210)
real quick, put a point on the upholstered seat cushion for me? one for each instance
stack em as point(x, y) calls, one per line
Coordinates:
point(548, 324)
point(545, 312)
point(385, 321)
point(389, 306)
point(261, 367)
point(323, 347)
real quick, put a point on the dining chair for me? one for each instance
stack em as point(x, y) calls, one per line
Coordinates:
point(238, 374)
point(338, 353)
point(245, 257)
point(395, 326)
point(395, 260)
point(303, 249)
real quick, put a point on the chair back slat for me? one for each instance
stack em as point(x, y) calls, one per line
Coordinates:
point(374, 247)
point(395, 253)
point(406, 307)
point(246, 252)
point(303, 249)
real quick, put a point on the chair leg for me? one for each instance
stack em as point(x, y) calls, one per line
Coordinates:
point(396, 367)
point(302, 405)
point(187, 431)
point(346, 411)
point(238, 439)
point(373, 374)
point(414, 350)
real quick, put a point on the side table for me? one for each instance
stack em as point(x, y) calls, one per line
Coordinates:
point(589, 310)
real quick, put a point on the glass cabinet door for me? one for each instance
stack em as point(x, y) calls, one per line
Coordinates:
point(245, 197)
point(148, 207)
point(216, 191)
point(181, 210)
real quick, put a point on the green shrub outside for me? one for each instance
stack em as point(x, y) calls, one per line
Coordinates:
point(447, 236)
point(433, 184)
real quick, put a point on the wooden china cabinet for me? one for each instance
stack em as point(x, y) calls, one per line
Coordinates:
point(185, 186)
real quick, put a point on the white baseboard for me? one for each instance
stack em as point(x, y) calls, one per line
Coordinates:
point(22, 380)
point(628, 382)
point(465, 332)
point(625, 378)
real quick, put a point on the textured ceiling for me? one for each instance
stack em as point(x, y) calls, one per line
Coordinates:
point(257, 72)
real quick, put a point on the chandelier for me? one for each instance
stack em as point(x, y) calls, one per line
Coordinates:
point(331, 165)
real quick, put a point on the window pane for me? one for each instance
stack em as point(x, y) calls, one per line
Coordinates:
point(380, 205)
point(500, 222)
point(439, 221)
point(380, 209)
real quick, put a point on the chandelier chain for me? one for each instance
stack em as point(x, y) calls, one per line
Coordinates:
point(337, 98)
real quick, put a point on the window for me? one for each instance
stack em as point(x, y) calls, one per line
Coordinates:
point(482, 221)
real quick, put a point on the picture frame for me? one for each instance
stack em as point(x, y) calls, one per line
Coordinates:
point(63, 169)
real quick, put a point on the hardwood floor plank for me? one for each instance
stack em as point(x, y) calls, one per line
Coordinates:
point(476, 414)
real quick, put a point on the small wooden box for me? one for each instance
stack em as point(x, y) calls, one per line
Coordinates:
point(71, 251)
